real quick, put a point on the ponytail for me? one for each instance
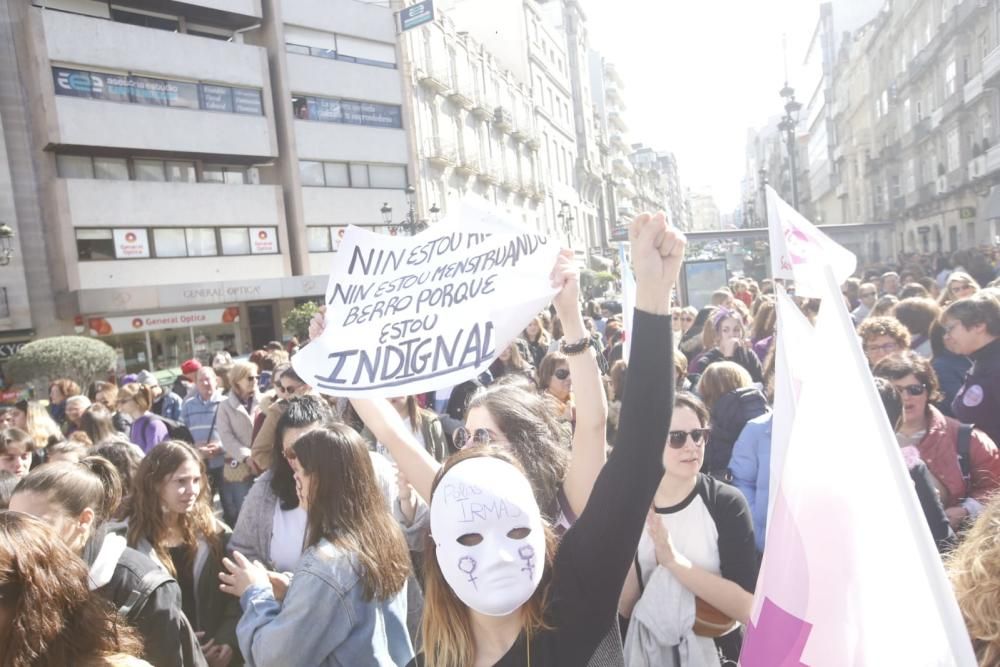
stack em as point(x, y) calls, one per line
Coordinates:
point(111, 481)
point(74, 487)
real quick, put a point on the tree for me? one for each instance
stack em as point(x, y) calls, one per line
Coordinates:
point(297, 321)
point(78, 358)
point(594, 284)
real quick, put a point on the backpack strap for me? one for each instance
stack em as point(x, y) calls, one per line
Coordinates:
point(147, 585)
point(964, 459)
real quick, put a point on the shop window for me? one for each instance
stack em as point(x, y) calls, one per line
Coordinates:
point(201, 242)
point(311, 173)
point(111, 169)
point(235, 240)
point(319, 239)
point(74, 166)
point(149, 170)
point(95, 244)
point(170, 242)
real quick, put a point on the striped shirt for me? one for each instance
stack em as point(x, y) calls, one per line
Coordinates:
point(199, 416)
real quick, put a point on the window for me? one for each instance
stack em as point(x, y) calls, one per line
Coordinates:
point(228, 174)
point(157, 21)
point(149, 170)
point(381, 176)
point(180, 172)
point(111, 169)
point(949, 78)
point(297, 48)
point(336, 174)
point(359, 176)
point(74, 166)
point(200, 241)
point(170, 242)
point(95, 244)
point(954, 150)
point(235, 240)
point(311, 173)
point(319, 239)
point(986, 120)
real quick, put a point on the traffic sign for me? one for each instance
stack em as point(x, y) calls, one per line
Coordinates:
point(416, 15)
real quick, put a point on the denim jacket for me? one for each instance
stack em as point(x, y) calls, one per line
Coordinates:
point(750, 467)
point(324, 619)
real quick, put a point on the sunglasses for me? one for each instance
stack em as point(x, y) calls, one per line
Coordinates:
point(561, 373)
point(913, 389)
point(480, 436)
point(288, 389)
point(678, 439)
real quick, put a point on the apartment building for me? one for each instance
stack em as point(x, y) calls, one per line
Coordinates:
point(658, 182)
point(178, 177)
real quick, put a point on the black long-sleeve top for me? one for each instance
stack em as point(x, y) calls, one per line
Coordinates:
point(595, 553)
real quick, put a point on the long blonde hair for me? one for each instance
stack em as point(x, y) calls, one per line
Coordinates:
point(974, 570)
point(40, 425)
point(446, 628)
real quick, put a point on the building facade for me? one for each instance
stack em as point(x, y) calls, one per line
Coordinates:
point(177, 178)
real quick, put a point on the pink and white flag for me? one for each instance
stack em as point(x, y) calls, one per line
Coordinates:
point(799, 250)
point(850, 575)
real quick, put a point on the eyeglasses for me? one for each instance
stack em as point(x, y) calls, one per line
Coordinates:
point(886, 347)
point(561, 373)
point(913, 389)
point(678, 439)
point(480, 436)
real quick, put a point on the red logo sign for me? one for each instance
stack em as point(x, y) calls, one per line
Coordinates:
point(137, 323)
point(130, 237)
point(262, 235)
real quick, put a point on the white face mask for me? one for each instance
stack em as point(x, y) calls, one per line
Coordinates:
point(489, 535)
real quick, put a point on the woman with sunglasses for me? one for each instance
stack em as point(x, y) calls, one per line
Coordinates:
point(696, 558)
point(936, 438)
point(556, 384)
point(236, 417)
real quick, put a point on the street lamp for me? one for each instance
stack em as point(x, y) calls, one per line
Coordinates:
point(762, 179)
point(787, 125)
point(411, 225)
point(6, 244)
point(565, 216)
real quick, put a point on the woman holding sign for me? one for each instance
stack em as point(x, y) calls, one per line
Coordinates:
point(498, 592)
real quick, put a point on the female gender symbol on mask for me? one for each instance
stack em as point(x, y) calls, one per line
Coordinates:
point(467, 564)
point(527, 554)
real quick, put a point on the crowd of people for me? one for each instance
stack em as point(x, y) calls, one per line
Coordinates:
point(567, 507)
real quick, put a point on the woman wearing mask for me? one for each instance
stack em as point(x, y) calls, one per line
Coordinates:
point(76, 500)
point(48, 615)
point(235, 423)
point(346, 604)
point(731, 345)
point(696, 558)
point(136, 400)
point(496, 589)
point(171, 522)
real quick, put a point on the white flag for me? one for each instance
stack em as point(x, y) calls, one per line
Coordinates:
point(850, 575)
point(799, 250)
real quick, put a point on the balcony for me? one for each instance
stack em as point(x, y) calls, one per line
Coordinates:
point(991, 66)
point(623, 167)
point(436, 79)
point(993, 159)
point(921, 130)
point(468, 165)
point(977, 167)
point(440, 153)
point(460, 96)
point(489, 174)
point(532, 141)
point(502, 119)
point(973, 89)
point(841, 191)
point(617, 122)
point(510, 183)
point(481, 109)
point(522, 132)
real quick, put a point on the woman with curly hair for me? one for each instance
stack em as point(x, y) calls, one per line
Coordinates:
point(49, 616)
point(882, 336)
point(171, 521)
point(974, 569)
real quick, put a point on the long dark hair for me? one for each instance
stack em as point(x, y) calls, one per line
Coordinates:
point(534, 436)
point(55, 619)
point(346, 507)
point(146, 516)
point(301, 411)
point(96, 423)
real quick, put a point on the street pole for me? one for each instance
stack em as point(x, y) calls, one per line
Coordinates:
point(791, 164)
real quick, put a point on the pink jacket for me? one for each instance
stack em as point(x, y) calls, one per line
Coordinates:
point(939, 450)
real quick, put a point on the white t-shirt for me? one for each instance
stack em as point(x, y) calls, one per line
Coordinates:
point(287, 537)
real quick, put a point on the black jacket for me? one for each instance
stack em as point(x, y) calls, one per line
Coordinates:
point(729, 415)
point(167, 636)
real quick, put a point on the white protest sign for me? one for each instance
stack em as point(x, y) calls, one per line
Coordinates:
point(406, 315)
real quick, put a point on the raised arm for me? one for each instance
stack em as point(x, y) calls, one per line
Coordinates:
point(591, 404)
point(590, 566)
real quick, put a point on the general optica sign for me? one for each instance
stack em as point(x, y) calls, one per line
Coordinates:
point(107, 326)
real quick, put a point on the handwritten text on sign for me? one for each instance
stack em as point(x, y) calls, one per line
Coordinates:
point(409, 315)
